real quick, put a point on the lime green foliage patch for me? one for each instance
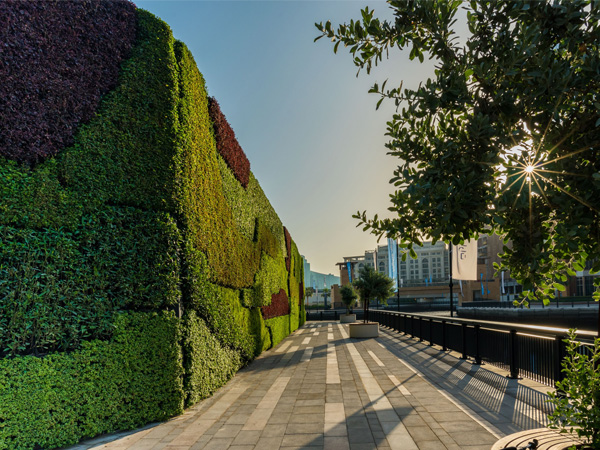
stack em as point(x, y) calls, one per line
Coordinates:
point(133, 379)
point(255, 206)
point(208, 365)
point(296, 297)
point(271, 277)
point(204, 211)
point(279, 328)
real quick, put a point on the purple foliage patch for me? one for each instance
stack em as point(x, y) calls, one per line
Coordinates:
point(57, 58)
point(280, 306)
point(227, 144)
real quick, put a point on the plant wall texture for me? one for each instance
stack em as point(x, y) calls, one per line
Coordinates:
point(57, 61)
point(135, 221)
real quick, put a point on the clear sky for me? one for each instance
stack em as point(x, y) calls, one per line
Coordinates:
point(306, 122)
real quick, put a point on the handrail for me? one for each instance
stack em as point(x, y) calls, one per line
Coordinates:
point(505, 326)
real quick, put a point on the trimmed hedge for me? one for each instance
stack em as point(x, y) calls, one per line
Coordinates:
point(58, 59)
point(227, 144)
point(122, 384)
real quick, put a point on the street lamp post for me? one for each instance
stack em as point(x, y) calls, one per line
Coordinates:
point(397, 275)
point(450, 284)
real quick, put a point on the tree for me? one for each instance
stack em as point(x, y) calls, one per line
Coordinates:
point(372, 285)
point(308, 292)
point(349, 296)
point(504, 138)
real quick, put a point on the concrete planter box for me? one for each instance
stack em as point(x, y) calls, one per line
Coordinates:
point(347, 318)
point(364, 330)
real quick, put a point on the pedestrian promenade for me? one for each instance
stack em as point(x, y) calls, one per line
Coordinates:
point(319, 389)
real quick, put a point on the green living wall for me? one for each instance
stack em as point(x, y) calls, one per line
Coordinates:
point(141, 265)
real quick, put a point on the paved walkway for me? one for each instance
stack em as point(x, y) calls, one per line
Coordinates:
point(319, 389)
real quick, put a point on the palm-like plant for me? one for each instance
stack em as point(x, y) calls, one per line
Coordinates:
point(373, 285)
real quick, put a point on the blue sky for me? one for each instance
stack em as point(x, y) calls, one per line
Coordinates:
point(306, 122)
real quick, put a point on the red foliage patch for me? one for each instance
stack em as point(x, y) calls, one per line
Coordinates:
point(280, 306)
point(57, 58)
point(227, 144)
point(288, 248)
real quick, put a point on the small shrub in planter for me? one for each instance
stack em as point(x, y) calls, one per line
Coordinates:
point(577, 396)
point(372, 285)
point(349, 297)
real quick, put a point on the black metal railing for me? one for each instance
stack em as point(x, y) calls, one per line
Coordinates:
point(530, 351)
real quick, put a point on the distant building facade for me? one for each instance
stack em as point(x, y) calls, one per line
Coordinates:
point(318, 280)
point(426, 278)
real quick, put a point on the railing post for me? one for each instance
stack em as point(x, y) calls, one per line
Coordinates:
point(559, 354)
point(412, 327)
point(420, 329)
point(444, 348)
point(430, 332)
point(477, 352)
point(514, 355)
point(321, 315)
point(464, 340)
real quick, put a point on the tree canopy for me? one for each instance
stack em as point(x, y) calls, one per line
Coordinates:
point(372, 285)
point(503, 138)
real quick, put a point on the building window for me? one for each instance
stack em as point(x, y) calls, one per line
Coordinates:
point(425, 268)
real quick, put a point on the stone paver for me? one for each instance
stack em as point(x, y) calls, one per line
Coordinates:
point(320, 389)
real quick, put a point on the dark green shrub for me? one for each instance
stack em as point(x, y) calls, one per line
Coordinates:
point(34, 198)
point(58, 288)
point(208, 365)
point(121, 384)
